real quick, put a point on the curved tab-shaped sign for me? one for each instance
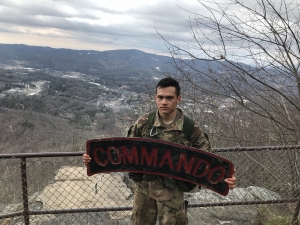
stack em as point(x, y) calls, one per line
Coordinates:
point(151, 156)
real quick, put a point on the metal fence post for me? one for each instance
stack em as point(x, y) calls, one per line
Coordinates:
point(24, 191)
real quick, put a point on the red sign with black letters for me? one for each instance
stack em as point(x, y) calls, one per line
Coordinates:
point(151, 156)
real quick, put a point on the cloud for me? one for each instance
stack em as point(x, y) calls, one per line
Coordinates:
point(131, 24)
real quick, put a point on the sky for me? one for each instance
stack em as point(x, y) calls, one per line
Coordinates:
point(96, 24)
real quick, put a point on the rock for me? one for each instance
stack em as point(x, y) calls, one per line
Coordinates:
point(262, 193)
point(233, 215)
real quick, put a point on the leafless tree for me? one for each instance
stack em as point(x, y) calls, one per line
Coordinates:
point(245, 53)
point(265, 36)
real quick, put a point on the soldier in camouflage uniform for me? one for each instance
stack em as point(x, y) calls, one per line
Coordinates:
point(159, 196)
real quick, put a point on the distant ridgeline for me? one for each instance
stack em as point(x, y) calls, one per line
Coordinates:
point(120, 62)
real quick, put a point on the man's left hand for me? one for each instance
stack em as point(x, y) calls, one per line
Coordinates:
point(231, 181)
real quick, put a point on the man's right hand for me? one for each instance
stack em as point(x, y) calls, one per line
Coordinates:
point(86, 159)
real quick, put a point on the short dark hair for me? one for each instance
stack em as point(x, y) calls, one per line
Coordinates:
point(168, 82)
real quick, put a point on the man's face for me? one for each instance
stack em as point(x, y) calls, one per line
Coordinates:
point(166, 100)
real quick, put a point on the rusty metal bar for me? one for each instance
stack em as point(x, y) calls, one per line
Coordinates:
point(262, 202)
point(60, 154)
point(128, 208)
point(24, 191)
point(39, 155)
point(259, 148)
point(105, 209)
point(11, 215)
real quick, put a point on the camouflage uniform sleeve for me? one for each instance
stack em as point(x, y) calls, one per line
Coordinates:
point(199, 140)
point(139, 127)
point(133, 131)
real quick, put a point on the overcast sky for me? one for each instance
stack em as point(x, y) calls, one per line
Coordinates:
point(95, 24)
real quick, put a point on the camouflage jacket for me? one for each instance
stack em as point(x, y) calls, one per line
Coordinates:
point(173, 133)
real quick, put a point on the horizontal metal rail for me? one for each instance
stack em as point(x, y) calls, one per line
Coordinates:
point(61, 154)
point(129, 208)
point(259, 148)
point(12, 215)
point(40, 155)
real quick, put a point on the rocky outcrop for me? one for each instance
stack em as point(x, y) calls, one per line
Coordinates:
point(233, 215)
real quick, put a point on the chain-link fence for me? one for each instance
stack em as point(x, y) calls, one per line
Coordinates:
point(53, 188)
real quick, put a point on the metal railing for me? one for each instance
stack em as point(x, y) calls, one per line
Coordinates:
point(54, 186)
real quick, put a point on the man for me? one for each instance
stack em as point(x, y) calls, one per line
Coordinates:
point(158, 196)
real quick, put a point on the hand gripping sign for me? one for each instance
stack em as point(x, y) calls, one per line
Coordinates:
point(151, 156)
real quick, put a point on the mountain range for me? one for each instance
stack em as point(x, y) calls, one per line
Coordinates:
point(84, 61)
point(114, 62)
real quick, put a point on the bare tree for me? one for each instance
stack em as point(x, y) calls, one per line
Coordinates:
point(265, 36)
point(246, 53)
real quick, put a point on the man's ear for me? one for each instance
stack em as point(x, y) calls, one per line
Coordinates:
point(178, 99)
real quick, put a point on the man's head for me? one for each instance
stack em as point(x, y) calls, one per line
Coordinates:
point(167, 96)
point(168, 82)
